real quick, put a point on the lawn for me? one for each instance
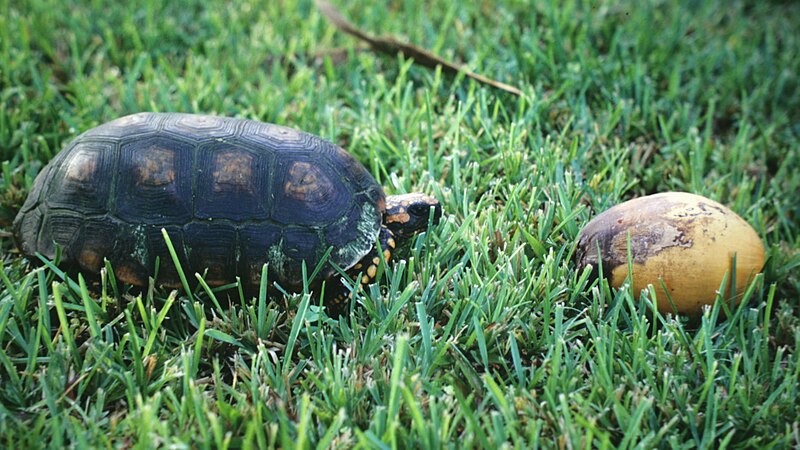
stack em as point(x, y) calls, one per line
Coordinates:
point(483, 332)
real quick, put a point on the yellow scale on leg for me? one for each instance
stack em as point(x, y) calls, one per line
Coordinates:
point(405, 216)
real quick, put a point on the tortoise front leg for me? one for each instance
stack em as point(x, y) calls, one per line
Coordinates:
point(337, 297)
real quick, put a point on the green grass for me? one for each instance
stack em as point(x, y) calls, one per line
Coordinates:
point(485, 333)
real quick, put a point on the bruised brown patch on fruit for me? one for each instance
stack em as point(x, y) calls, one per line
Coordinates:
point(643, 225)
point(646, 240)
point(307, 183)
point(155, 167)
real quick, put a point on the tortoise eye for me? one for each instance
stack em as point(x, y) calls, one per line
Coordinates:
point(419, 210)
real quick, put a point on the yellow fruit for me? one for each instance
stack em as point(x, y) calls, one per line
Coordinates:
point(686, 241)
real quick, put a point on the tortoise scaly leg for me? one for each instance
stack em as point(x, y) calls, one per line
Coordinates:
point(339, 297)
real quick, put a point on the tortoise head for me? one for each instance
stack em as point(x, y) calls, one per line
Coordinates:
point(408, 214)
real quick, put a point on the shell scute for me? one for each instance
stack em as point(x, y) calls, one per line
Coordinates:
point(154, 182)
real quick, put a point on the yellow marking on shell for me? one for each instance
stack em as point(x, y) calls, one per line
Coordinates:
point(358, 266)
point(307, 183)
point(215, 275)
point(233, 171)
point(278, 132)
point(91, 259)
point(386, 255)
point(372, 271)
point(365, 279)
point(82, 166)
point(376, 260)
point(199, 121)
point(127, 273)
point(155, 166)
point(130, 119)
point(216, 282)
point(391, 242)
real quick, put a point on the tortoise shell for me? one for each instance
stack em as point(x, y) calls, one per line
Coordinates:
point(232, 194)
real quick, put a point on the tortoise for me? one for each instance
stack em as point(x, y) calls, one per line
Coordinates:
point(232, 195)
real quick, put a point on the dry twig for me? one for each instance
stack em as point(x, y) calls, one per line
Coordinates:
point(392, 46)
